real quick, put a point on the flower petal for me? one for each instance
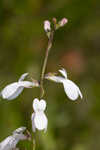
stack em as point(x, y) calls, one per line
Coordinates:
point(63, 72)
point(42, 105)
point(36, 104)
point(71, 89)
point(11, 91)
point(54, 78)
point(6, 143)
point(16, 94)
point(27, 84)
point(23, 76)
point(41, 121)
point(19, 130)
point(33, 124)
point(79, 92)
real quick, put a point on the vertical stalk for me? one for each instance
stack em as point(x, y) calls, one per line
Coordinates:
point(34, 144)
point(45, 63)
point(34, 141)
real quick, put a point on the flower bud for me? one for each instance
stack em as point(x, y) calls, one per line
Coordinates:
point(47, 26)
point(63, 22)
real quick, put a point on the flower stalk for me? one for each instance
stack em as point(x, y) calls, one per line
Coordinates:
point(45, 63)
point(34, 144)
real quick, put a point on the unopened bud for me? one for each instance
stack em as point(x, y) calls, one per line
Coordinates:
point(47, 27)
point(54, 20)
point(63, 22)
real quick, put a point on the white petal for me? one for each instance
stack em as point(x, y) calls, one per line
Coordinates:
point(23, 76)
point(33, 124)
point(63, 72)
point(36, 104)
point(6, 144)
point(16, 94)
point(57, 79)
point(41, 121)
point(19, 130)
point(71, 89)
point(79, 92)
point(26, 84)
point(42, 105)
point(11, 91)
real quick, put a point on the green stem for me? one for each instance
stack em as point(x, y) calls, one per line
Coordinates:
point(34, 141)
point(34, 144)
point(45, 63)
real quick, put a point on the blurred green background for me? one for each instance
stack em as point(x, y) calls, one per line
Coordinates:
point(76, 47)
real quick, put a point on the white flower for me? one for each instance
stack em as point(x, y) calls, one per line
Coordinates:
point(47, 25)
point(70, 88)
point(13, 90)
point(39, 119)
point(10, 142)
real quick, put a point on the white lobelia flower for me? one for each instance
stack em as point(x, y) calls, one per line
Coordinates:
point(13, 90)
point(39, 119)
point(70, 88)
point(11, 141)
